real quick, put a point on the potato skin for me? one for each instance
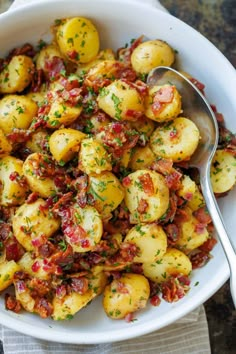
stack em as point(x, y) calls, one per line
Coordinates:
point(223, 171)
point(64, 143)
point(12, 192)
point(17, 75)
point(78, 39)
point(44, 186)
point(16, 112)
point(173, 262)
point(176, 140)
point(169, 110)
point(133, 297)
point(61, 113)
point(147, 55)
point(121, 101)
point(151, 241)
point(7, 271)
point(157, 201)
point(107, 192)
point(31, 221)
point(93, 158)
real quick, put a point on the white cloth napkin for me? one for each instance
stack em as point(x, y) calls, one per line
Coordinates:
point(189, 335)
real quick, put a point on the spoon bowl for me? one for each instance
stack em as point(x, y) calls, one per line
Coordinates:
point(196, 108)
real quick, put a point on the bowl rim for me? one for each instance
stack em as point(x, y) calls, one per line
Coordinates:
point(177, 313)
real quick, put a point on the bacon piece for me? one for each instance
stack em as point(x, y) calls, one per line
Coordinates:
point(38, 287)
point(128, 251)
point(155, 300)
point(199, 259)
point(37, 80)
point(129, 317)
point(147, 184)
point(200, 228)
point(43, 307)
point(80, 285)
point(171, 211)
point(32, 197)
point(173, 180)
point(175, 288)
point(208, 245)
point(61, 291)
point(121, 226)
point(163, 166)
point(142, 206)
point(63, 258)
point(202, 215)
point(124, 54)
point(62, 202)
point(172, 232)
point(164, 95)
point(126, 181)
point(54, 66)
point(14, 250)
point(12, 304)
point(81, 186)
point(181, 216)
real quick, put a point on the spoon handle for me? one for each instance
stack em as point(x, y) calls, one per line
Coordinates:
point(221, 231)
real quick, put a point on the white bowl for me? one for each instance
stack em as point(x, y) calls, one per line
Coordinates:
point(118, 21)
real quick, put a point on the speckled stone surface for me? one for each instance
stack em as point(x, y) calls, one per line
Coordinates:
point(216, 20)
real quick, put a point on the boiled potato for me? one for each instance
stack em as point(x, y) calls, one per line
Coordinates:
point(142, 157)
point(106, 54)
point(121, 101)
point(69, 305)
point(44, 186)
point(106, 191)
point(86, 230)
point(146, 188)
point(187, 189)
point(35, 143)
point(175, 140)
point(7, 271)
point(223, 171)
point(192, 233)
point(12, 191)
point(16, 112)
point(24, 297)
point(38, 97)
point(64, 143)
point(46, 55)
point(78, 39)
point(5, 146)
point(62, 113)
point(163, 103)
point(197, 200)
point(173, 262)
point(144, 126)
point(133, 296)
point(93, 158)
point(151, 241)
point(17, 75)
point(33, 220)
point(26, 264)
point(147, 55)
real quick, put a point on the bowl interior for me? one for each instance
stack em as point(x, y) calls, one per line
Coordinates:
point(197, 56)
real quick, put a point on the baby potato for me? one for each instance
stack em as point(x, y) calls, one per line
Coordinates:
point(223, 171)
point(163, 103)
point(36, 141)
point(142, 157)
point(46, 55)
point(78, 39)
point(106, 191)
point(126, 295)
point(106, 54)
point(26, 264)
point(33, 220)
point(187, 189)
point(25, 298)
point(192, 233)
point(69, 305)
point(5, 146)
point(16, 112)
point(64, 143)
point(86, 229)
point(176, 140)
point(12, 191)
point(121, 101)
point(146, 196)
point(62, 113)
point(144, 126)
point(151, 241)
point(7, 271)
point(173, 262)
point(38, 97)
point(197, 200)
point(17, 75)
point(147, 55)
point(93, 158)
point(44, 186)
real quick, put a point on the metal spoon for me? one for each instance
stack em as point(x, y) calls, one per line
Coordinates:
point(196, 107)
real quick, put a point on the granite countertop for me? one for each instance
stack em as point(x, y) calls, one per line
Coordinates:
point(216, 20)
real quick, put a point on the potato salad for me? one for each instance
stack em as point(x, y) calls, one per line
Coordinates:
point(96, 194)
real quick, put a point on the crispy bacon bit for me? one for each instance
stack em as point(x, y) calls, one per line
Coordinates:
point(155, 300)
point(62, 202)
point(51, 268)
point(128, 251)
point(203, 216)
point(81, 186)
point(43, 307)
point(147, 184)
point(54, 66)
point(129, 317)
point(61, 291)
point(208, 245)
point(14, 251)
point(63, 258)
point(200, 228)
point(46, 250)
point(181, 216)
point(124, 54)
point(75, 233)
point(126, 181)
point(19, 135)
point(12, 304)
point(121, 226)
point(173, 180)
point(80, 285)
point(35, 266)
point(171, 211)
point(26, 49)
point(32, 197)
point(142, 206)
point(120, 287)
point(164, 95)
point(172, 232)
point(164, 166)
point(133, 115)
point(174, 288)
point(199, 259)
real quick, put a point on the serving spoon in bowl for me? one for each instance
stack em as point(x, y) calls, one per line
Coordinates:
point(196, 107)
